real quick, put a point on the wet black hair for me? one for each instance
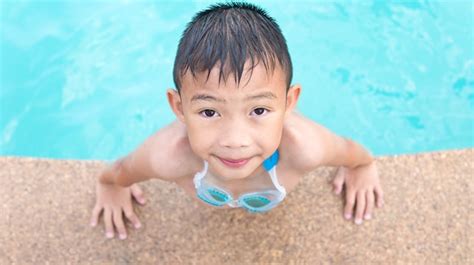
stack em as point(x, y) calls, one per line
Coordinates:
point(230, 34)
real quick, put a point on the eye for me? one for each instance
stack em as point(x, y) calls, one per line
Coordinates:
point(260, 111)
point(208, 113)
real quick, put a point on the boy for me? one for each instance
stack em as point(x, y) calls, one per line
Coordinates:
point(236, 126)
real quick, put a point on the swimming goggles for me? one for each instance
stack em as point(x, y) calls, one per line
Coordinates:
point(253, 202)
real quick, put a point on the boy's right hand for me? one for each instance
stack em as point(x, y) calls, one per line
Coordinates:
point(114, 199)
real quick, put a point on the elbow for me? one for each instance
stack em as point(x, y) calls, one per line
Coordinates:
point(122, 182)
point(121, 175)
point(358, 155)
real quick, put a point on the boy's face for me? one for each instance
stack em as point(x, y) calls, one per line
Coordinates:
point(230, 122)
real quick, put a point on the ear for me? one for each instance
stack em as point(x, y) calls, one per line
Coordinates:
point(292, 98)
point(174, 99)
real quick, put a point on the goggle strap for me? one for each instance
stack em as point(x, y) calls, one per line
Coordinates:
point(200, 175)
point(274, 177)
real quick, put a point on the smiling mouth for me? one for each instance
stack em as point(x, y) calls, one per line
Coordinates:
point(234, 163)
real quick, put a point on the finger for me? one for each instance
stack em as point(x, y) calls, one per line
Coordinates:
point(95, 215)
point(370, 205)
point(138, 194)
point(360, 207)
point(379, 192)
point(118, 221)
point(109, 227)
point(128, 211)
point(350, 201)
point(338, 182)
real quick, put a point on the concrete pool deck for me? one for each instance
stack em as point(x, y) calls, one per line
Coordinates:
point(427, 219)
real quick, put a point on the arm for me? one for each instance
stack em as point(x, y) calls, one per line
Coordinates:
point(357, 175)
point(340, 151)
point(127, 170)
point(150, 160)
point(318, 146)
point(357, 172)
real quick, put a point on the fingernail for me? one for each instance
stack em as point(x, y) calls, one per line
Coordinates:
point(109, 235)
point(92, 224)
point(368, 216)
point(347, 216)
point(358, 221)
point(138, 225)
point(123, 236)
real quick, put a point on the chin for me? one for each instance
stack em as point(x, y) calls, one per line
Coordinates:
point(236, 173)
point(242, 174)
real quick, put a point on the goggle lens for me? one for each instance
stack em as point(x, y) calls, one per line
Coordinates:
point(218, 196)
point(257, 201)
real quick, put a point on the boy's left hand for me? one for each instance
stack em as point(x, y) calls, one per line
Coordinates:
point(362, 186)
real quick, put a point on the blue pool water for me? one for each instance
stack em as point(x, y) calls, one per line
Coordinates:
point(87, 79)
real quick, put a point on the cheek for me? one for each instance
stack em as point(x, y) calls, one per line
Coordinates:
point(270, 134)
point(200, 139)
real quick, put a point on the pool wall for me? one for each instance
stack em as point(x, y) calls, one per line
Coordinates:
point(46, 208)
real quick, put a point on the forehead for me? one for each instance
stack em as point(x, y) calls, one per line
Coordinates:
point(254, 79)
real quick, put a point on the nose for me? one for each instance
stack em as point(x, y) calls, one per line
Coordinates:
point(235, 134)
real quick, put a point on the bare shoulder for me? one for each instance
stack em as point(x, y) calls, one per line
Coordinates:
point(301, 144)
point(171, 153)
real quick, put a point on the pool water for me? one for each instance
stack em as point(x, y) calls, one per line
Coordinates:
point(87, 79)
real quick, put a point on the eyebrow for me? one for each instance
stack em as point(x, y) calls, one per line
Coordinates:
point(205, 97)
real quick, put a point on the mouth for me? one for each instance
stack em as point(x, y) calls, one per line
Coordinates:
point(234, 163)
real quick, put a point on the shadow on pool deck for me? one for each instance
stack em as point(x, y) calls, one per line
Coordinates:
point(426, 219)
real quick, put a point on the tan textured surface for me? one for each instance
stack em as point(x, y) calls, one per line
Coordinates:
point(427, 219)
